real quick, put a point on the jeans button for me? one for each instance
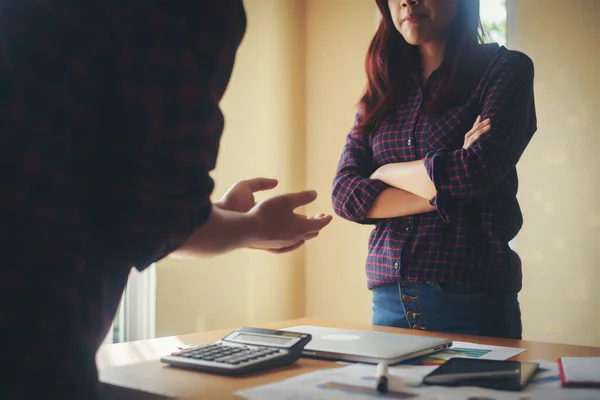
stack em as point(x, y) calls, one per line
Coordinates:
point(406, 298)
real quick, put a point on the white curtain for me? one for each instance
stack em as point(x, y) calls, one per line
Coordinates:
point(136, 316)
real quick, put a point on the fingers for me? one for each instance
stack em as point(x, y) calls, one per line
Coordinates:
point(259, 184)
point(479, 122)
point(482, 124)
point(301, 198)
point(310, 236)
point(305, 239)
point(315, 224)
point(321, 215)
point(293, 247)
point(479, 128)
point(476, 135)
point(278, 225)
point(287, 249)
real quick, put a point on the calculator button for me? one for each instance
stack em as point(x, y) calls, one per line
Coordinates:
point(229, 354)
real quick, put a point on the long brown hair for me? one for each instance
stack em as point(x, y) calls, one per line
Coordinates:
point(390, 60)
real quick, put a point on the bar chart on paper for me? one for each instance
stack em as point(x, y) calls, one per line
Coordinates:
point(467, 350)
point(358, 381)
point(364, 385)
point(458, 349)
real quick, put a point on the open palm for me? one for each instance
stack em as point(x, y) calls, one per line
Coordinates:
point(240, 196)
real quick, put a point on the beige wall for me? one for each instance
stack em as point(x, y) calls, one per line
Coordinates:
point(338, 34)
point(264, 111)
point(560, 188)
point(290, 102)
point(288, 108)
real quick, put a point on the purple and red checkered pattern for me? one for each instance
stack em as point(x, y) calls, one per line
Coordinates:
point(110, 127)
point(466, 240)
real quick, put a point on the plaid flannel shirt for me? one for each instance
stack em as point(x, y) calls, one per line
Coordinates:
point(466, 240)
point(110, 125)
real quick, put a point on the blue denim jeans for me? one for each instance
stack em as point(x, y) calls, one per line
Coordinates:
point(448, 308)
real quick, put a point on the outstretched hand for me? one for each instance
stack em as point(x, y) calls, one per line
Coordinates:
point(279, 228)
point(240, 196)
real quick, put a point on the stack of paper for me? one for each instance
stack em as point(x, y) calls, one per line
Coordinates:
point(579, 371)
point(357, 381)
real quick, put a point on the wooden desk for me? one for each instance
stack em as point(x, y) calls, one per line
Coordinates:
point(133, 371)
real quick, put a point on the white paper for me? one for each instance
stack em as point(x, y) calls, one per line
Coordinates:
point(546, 386)
point(357, 381)
point(468, 350)
point(581, 369)
point(348, 382)
point(463, 350)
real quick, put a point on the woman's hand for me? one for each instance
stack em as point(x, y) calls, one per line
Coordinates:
point(479, 128)
point(412, 176)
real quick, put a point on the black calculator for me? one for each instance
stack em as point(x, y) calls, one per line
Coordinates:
point(243, 351)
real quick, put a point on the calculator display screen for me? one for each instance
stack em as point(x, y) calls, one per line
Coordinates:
point(248, 337)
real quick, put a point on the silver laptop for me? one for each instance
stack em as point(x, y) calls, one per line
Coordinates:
point(367, 346)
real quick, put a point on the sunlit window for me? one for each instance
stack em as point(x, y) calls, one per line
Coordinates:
point(493, 17)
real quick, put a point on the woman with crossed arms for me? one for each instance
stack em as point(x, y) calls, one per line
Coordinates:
point(431, 161)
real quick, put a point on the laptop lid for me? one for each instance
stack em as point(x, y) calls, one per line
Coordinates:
point(367, 346)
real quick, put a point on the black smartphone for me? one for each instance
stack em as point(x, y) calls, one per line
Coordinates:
point(491, 374)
